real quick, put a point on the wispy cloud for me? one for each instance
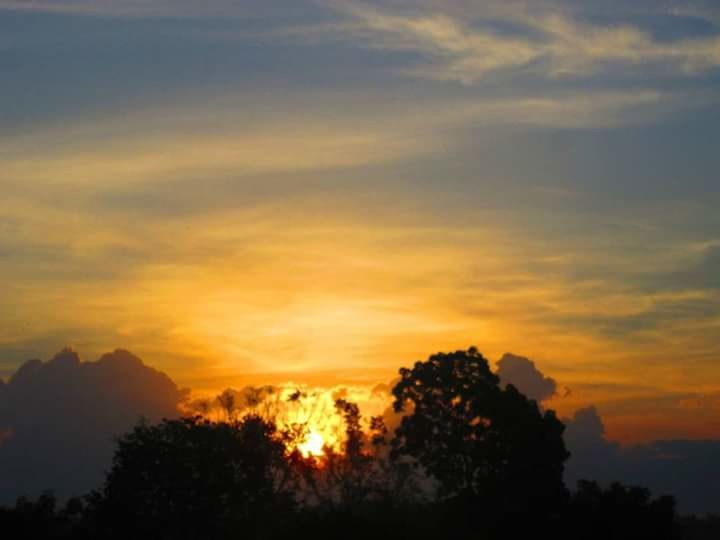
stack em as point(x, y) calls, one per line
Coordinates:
point(239, 154)
point(457, 41)
point(125, 151)
point(468, 50)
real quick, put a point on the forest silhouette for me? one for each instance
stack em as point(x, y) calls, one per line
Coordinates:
point(469, 458)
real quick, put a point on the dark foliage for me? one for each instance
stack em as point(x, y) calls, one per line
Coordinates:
point(480, 441)
point(192, 478)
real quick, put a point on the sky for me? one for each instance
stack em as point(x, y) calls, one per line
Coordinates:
point(325, 191)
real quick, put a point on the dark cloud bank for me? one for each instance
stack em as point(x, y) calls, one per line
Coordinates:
point(58, 420)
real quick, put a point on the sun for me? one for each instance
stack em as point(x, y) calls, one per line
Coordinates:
point(313, 445)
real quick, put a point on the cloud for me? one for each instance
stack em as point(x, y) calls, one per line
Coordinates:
point(681, 294)
point(60, 417)
point(649, 317)
point(522, 374)
point(134, 163)
point(191, 140)
point(456, 49)
point(147, 159)
point(591, 455)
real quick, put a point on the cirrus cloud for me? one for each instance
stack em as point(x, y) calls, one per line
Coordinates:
point(465, 51)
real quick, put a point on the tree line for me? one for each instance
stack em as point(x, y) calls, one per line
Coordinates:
point(471, 458)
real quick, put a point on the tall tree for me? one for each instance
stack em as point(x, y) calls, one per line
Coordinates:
point(480, 441)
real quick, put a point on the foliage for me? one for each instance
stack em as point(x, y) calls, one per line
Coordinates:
point(480, 441)
point(191, 477)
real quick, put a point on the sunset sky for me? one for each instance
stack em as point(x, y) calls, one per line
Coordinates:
point(323, 191)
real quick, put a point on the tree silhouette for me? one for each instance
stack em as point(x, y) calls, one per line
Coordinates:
point(480, 441)
point(192, 478)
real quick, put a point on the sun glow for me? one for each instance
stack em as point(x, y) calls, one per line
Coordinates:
point(307, 418)
point(313, 445)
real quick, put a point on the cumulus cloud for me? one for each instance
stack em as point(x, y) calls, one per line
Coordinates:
point(59, 418)
point(523, 375)
point(592, 456)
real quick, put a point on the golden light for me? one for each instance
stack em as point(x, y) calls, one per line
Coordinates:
point(307, 418)
point(313, 445)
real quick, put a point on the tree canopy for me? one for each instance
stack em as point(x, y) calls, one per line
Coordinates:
point(478, 439)
point(193, 478)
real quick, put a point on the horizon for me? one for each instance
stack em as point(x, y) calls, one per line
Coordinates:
point(95, 402)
